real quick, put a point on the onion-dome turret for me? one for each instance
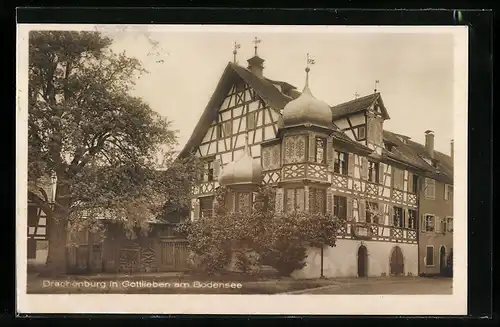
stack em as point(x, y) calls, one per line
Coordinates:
point(244, 171)
point(307, 110)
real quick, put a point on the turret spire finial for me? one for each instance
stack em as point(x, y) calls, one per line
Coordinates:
point(256, 41)
point(309, 62)
point(375, 89)
point(235, 51)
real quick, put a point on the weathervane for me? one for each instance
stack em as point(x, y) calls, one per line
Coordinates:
point(235, 51)
point(375, 90)
point(309, 61)
point(256, 41)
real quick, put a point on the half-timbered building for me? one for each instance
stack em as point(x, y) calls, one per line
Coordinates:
point(319, 158)
point(37, 242)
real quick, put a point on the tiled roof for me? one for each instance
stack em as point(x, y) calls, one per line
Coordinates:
point(414, 154)
point(263, 86)
point(357, 105)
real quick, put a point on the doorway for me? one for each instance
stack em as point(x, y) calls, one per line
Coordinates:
point(397, 262)
point(362, 261)
point(442, 260)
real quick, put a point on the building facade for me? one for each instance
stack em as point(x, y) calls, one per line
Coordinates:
point(37, 243)
point(319, 158)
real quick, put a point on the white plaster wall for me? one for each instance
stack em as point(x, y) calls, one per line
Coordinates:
point(342, 260)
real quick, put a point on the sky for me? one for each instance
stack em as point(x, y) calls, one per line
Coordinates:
point(415, 71)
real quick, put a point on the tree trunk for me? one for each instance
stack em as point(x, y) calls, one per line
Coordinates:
point(57, 231)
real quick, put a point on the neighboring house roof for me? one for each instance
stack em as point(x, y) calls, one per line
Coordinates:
point(414, 154)
point(357, 105)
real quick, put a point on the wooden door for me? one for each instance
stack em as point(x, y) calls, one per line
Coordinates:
point(397, 262)
point(173, 255)
point(442, 260)
point(362, 261)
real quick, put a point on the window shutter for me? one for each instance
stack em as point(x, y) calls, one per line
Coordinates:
point(350, 164)
point(381, 218)
point(410, 182)
point(437, 224)
point(216, 168)
point(312, 148)
point(349, 208)
point(329, 202)
point(381, 173)
point(196, 208)
point(329, 153)
point(362, 210)
point(279, 201)
point(391, 216)
point(290, 200)
point(364, 168)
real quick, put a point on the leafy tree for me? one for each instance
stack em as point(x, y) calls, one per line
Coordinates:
point(257, 236)
point(100, 142)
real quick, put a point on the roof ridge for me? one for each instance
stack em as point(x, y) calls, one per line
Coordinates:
point(355, 100)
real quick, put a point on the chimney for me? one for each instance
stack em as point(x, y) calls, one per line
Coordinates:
point(429, 143)
point(255, 65)
point(451, 149)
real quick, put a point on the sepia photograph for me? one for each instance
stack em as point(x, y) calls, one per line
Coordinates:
point(241, 160)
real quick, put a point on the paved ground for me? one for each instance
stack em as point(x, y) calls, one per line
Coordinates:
point(402, 285)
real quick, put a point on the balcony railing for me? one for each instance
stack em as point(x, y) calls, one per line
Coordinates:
point(376, 232)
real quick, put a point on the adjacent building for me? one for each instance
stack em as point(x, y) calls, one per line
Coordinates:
point(256, 130)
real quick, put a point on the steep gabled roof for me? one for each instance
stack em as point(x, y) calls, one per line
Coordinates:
point(266, 90)
point(358, 105)
point(414, 154)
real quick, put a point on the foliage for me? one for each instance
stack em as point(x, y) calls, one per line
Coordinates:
point(256, 236)
point(100, 142)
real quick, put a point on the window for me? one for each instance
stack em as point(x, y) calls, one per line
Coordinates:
point(443, 223)
point(294, 199)
point(206, 206)
point(398, 178)
point(429, 258)
point(219, 130)
point(414, 185)
point(449, 224)
point(448, 192)
point(361, 133)
point(412, 219)
point(251, 120)
point(373, 168)
point(317, 199)
point(372, 212)
point(340, 163)
point(207, 173)
point(228, 128)
point(210, 171)
point(244, 201)
point(398, 220)
point(320, 150)
point(340, 207)
point(428, 223)
point(430, 188)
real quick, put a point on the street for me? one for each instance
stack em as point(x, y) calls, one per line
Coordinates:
point(403, 285)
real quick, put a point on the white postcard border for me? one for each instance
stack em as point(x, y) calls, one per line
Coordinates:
point(455, 304)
